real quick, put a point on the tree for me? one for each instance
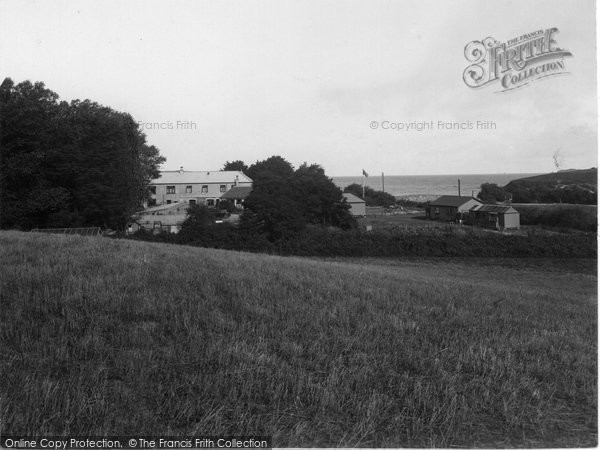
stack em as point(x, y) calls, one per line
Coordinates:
point(27, 121)
point(69, 164)
point(322, 201)
point(283, 200)
point(238, 165)
point(199, 219)
point(227, 205)
point(271, 208)
point(272, 167)
point(492, 193)
point(200, 228)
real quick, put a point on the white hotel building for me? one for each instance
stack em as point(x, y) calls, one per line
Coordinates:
point(194, 187)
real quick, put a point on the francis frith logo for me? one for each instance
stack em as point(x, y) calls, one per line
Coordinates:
point(515, 63)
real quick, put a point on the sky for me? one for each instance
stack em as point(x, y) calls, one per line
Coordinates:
point(335, 83)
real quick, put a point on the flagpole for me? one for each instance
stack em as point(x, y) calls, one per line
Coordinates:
point(363, 180)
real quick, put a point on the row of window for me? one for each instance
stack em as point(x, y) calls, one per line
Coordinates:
point(209, 202)
point(188, 189)
point(450, 211)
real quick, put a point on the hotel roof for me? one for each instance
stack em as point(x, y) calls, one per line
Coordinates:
point(200, 177)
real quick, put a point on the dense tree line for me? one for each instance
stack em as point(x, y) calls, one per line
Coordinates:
point(69, 164)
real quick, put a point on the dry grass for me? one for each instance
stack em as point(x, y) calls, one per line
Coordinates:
point(101, 336)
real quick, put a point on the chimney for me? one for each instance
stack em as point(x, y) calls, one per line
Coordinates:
point(181, 169)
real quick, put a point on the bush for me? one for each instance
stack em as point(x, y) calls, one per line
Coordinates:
point(492, 193)
point(578, 217)
point(332, 242)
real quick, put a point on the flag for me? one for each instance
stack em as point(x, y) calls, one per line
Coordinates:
point(365, 173)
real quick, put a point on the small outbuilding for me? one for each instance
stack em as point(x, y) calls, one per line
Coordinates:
point(358, 207)
point(450, 207)
point(166, 218)
point(498, 217)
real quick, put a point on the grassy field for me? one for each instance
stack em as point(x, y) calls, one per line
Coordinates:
point(399, 221)
point(103, 336)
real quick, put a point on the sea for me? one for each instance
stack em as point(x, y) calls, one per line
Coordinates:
point(428, 187)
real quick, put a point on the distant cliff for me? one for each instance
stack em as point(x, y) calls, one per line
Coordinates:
point(565, 186)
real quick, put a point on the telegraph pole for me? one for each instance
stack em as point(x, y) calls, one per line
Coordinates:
point(459, 187)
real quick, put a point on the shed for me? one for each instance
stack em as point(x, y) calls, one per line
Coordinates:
point(160, 218)
point(358, 207)
point(450, 207)
point(499, 217)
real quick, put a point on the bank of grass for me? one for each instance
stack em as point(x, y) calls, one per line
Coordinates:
point(558, 215)
point(114, 337)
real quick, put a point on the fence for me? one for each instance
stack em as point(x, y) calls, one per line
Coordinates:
point(90, 231)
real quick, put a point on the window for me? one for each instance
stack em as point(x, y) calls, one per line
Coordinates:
point(437, 210)
point(188, 189)
point(152, 202)
point(205, 188)
point(192, 202)
point(168, 202)
point(153, 190)
point(170, 189)
point(210, 202)
point(223, 187)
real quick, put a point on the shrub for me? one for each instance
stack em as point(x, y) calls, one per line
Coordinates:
point(578, 217)
point(333, 242)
